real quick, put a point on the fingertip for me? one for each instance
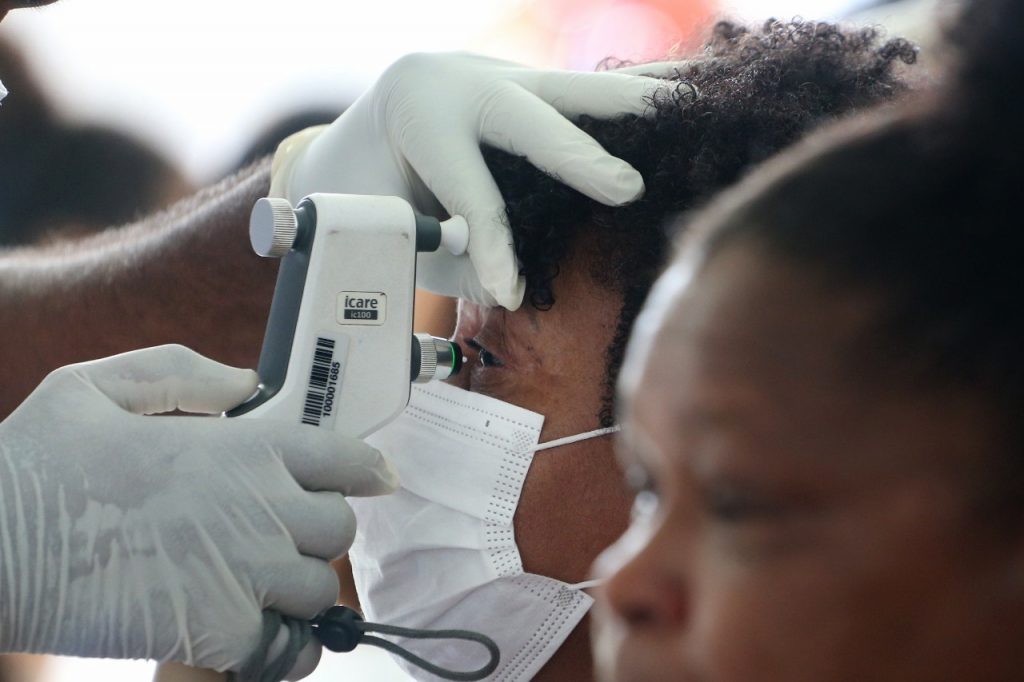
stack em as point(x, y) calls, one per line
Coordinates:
point(639, 91)
point(302, 588)
point(307, 661)
point(354, 468)
point(612, 181)
point(381, 476)
point(494, 260)
point(630, 184)
point(212, 394)
point(511, 297)
point(244, 380)
point(506, 291)
point(387, 477)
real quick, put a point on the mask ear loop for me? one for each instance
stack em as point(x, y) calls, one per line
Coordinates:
point(340, 628)
point(577, 438)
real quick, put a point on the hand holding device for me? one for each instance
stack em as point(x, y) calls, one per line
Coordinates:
point(417, 132)
point(126, 536)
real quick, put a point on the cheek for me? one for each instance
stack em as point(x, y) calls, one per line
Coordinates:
point(789, 622)
point(573, 505)
point(870, 598)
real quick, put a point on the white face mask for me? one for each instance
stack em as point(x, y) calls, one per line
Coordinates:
point(441, 553)
point(3, 91)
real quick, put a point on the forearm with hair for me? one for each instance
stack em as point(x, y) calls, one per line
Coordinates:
point(187, 276)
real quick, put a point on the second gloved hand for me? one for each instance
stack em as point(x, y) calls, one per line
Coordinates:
point(417, 134)
point(127, 536)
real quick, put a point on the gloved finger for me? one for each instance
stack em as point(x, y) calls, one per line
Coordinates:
point(556, 146)
point(493, 260)
point(307, 661)
point(453, 276)
point(654, 69)
point(166, 378)
point(602, 94)
point(322, 460)
point(322, 526)
point(301, 588)
point(466, 188)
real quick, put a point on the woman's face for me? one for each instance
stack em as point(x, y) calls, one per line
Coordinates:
point(799, 520)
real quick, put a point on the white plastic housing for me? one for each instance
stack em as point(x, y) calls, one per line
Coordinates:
point(358, 293)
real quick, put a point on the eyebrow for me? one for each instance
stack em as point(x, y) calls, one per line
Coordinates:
point(500, 340)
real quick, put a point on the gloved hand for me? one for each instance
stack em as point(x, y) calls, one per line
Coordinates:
point(417, 134)
point(126, 536)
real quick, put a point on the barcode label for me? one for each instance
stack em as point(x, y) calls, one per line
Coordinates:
point(323, 380)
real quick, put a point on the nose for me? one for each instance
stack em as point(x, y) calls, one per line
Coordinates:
point(646, 585)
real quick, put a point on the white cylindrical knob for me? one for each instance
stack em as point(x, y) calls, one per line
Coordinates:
point(272, 227)
point(455, 235)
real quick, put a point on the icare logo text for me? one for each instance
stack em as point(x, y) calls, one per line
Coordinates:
point(361, 307)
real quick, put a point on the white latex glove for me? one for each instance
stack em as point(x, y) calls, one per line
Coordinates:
point(126, 536)
point(417, 134)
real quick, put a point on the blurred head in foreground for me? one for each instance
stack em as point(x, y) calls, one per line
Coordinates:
point(822, 407)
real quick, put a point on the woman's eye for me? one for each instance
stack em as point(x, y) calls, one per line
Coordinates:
point(728, 504)
point(485, 358)
point(489, 359)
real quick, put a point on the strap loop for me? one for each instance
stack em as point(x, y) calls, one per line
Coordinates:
point(340, 628)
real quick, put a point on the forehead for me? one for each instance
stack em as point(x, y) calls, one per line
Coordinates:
point(582, 314)
point(753, 352)
point(745, 323)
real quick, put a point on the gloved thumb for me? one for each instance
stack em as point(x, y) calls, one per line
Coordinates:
point(166, 378)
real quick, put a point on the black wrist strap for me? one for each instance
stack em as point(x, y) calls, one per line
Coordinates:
point(341, 629)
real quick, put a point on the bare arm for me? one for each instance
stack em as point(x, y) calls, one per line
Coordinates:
point(186, 276)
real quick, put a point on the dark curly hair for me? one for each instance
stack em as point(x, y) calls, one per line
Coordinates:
point(750, 94)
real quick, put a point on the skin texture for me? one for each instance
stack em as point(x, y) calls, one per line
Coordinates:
point(573, 503)
point(803, 520)
point(185, 276)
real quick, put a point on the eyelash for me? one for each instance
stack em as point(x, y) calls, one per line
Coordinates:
point(722, 504)
point(485, 357)
point(728, 505)
point(488, 359)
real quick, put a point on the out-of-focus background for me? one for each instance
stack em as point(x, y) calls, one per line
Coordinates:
point(200, 80)
point(119, 107)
